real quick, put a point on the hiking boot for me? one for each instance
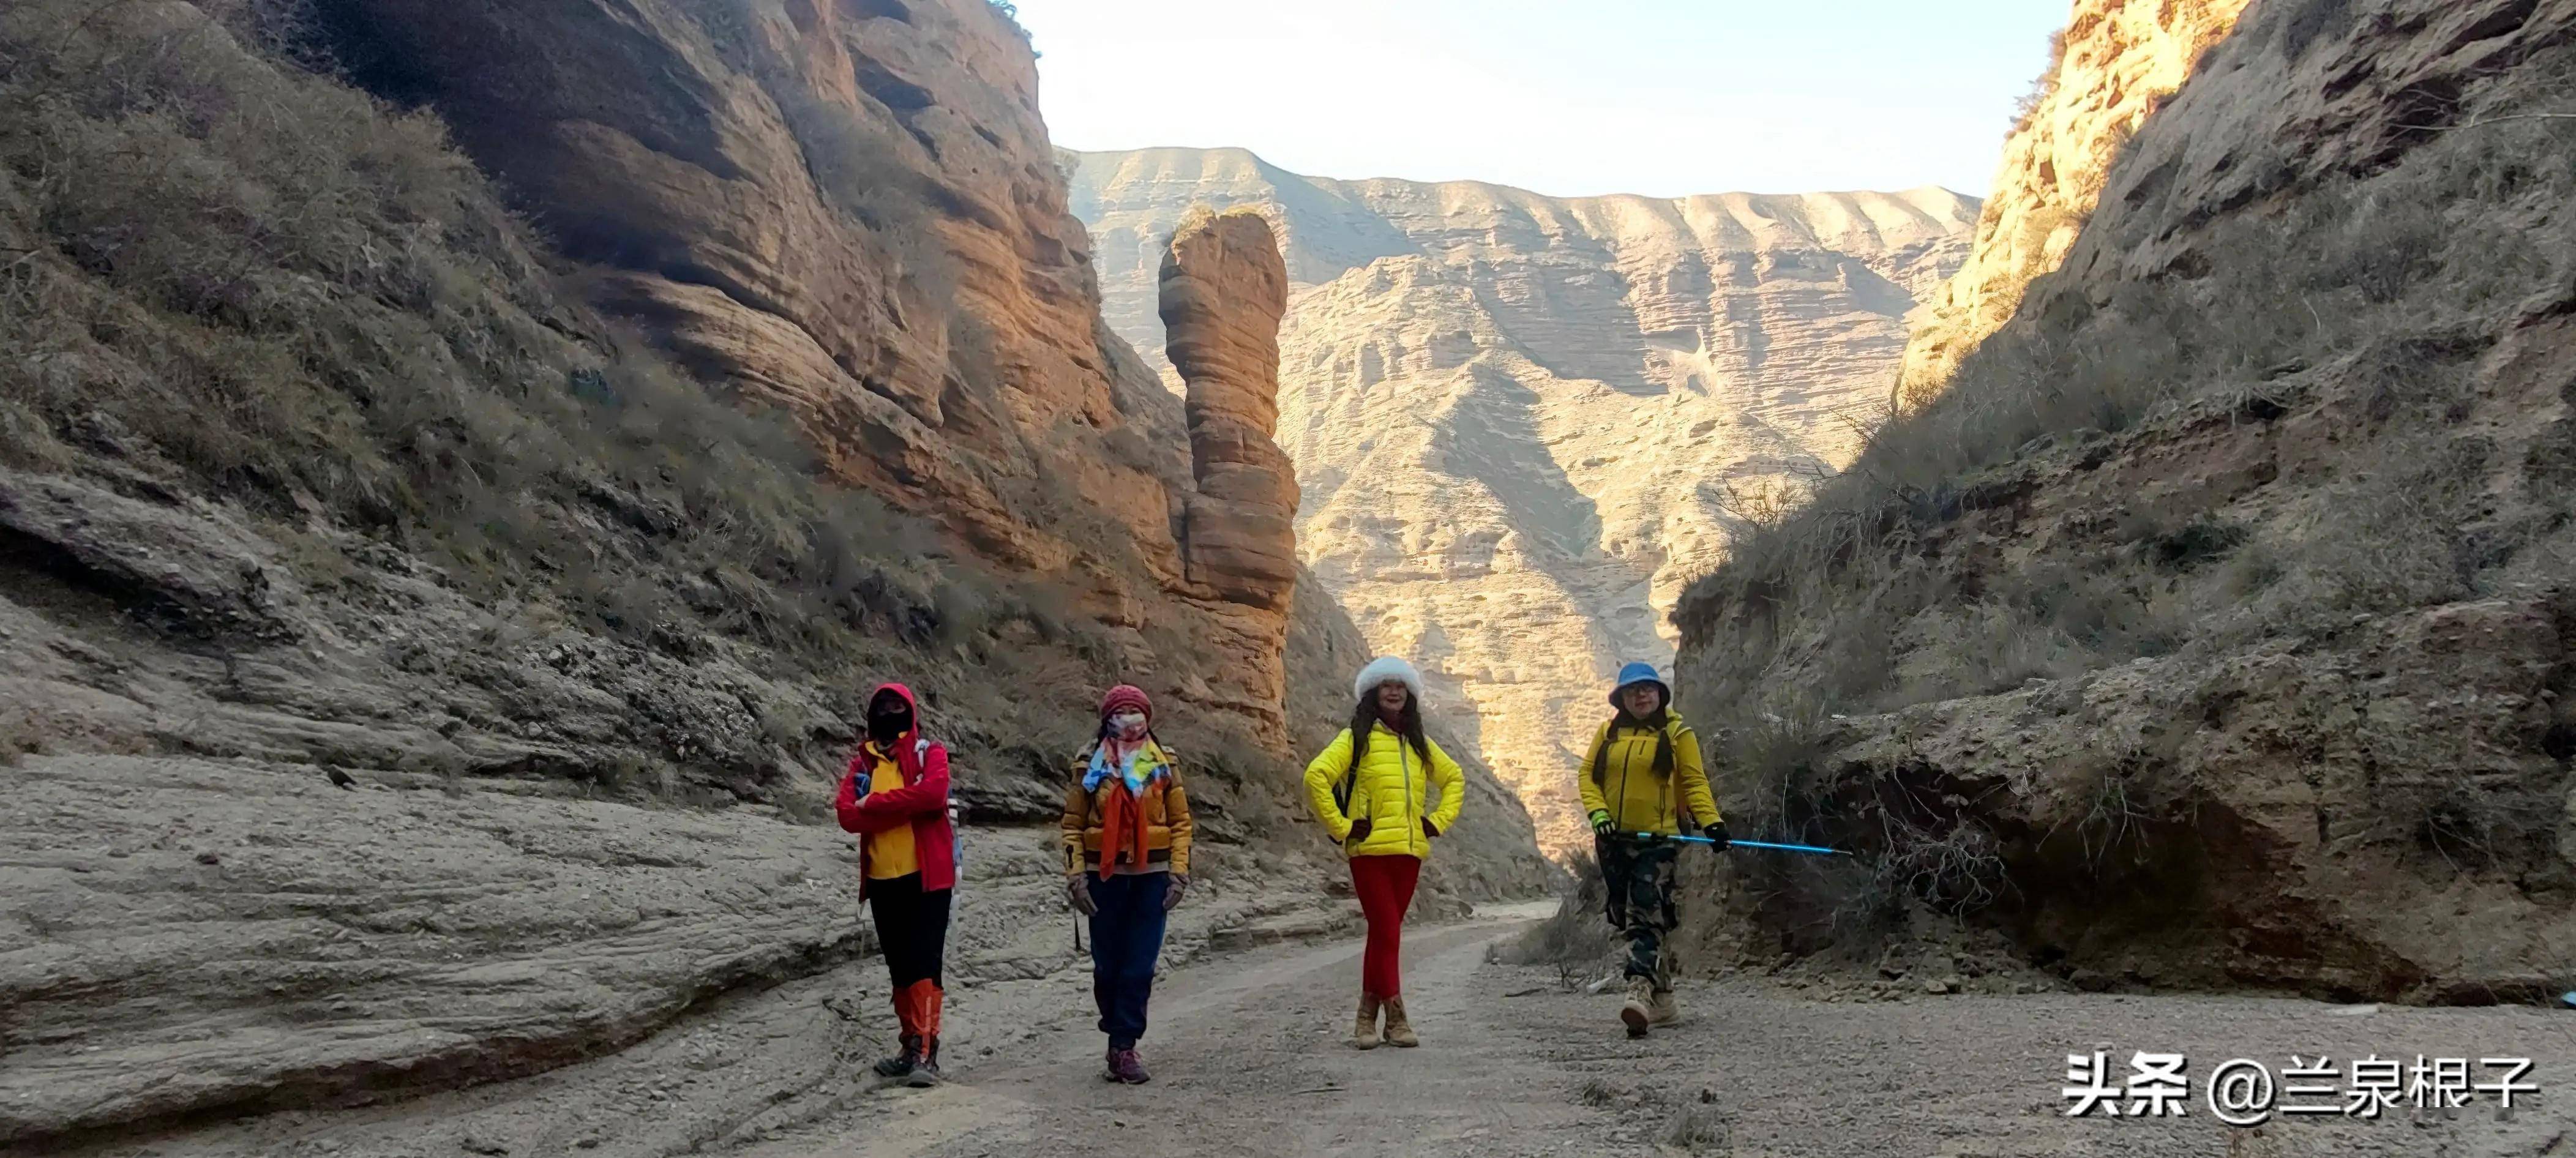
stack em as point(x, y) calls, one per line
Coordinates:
point(1662, 1009)
point(925, 1068)
point(902, 1063)
point(1638, 1012)
point(1364, 1031)
point(1126, 1068)
point(1399, 1032)
point(1109, 1064)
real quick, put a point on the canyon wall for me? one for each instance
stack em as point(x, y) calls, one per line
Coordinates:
point(849, 211)
point(2211, 624)
point(2116, 62)
point(1521, 423)
point(448, 530)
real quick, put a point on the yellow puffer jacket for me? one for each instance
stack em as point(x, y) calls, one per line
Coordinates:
point(1391, 790)
point(1636, 798)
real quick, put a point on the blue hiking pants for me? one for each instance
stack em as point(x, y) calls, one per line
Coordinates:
point(1126, 937)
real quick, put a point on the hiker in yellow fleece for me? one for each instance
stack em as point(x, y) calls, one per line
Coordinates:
point(1644, 772)
point(1372, 788)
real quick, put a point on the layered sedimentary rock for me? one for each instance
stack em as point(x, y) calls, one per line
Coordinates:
point(408, 681)
point(2117, 62)
point(849, 211)
point(2236, 650)
point(1223, 289)
point(1520, 422)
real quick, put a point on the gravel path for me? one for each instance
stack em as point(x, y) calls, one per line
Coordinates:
point(1247, 1049)
point(1249, 1057)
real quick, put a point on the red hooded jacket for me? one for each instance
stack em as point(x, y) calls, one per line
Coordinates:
point(922, 802)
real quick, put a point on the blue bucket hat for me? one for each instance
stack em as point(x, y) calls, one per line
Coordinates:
point(1639, 673)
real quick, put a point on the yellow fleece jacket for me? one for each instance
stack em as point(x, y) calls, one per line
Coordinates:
point(1636, 798)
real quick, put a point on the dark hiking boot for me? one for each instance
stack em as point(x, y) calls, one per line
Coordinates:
point(1127, 1068)
point(904, 1060)
point(1638, 1010)
point(925, 1068)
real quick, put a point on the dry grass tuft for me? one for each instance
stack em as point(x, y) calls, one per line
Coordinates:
point(1575, 937)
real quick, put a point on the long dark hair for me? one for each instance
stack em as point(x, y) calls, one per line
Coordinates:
point(1408, 724)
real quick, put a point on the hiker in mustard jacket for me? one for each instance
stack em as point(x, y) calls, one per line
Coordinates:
point(1373, 788)
point(1126, 833)
point(1643, 774)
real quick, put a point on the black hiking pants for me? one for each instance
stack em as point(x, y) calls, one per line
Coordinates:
point(912, 927)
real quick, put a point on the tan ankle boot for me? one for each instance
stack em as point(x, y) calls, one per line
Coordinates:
point(1638, 1011)
point(1364, 1033)
point(1399, 1032)
point(1662, 1009)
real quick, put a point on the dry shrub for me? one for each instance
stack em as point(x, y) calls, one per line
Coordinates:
point(2474, 820)
point(1698, 1129)
point(1575, 937)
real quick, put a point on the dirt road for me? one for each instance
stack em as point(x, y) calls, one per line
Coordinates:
point(1249, 1056)
point(1250, 1060)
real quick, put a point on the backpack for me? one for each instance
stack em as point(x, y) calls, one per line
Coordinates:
point(1350, 775)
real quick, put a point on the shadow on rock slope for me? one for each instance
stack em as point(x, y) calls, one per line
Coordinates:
point(2211, 625)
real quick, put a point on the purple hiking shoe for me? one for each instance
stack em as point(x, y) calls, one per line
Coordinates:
point(1125, 1067)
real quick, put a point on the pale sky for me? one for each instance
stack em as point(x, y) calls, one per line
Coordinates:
point(1564, 97)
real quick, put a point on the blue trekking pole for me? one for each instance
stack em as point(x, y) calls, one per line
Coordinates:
point(1809, 849)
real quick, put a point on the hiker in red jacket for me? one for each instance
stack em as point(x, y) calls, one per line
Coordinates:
point(896, 798)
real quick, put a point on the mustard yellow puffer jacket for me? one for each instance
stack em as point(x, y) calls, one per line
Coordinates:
point(1391, 789)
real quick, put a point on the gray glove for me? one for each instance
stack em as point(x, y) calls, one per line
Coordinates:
point(1077, 893)
point(1172, 890)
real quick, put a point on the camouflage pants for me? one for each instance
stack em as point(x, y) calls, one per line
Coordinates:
point(1639, 875)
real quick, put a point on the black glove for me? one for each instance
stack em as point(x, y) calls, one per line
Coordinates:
point(1601, 825)
point(1717, 832)
point(1429, 829)
point(1360, 829)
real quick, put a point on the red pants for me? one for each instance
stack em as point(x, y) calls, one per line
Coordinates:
point(1385, 887)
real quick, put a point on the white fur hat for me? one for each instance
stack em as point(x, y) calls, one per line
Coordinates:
point(1382, 669)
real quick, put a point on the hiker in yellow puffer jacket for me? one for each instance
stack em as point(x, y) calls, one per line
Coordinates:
point(1643, 773)
point(1373, 788)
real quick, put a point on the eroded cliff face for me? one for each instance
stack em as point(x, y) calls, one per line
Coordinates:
point(2212, 626)
point(850, 211)
point(2117, 61)
point(417, 680)
point(1516, 419)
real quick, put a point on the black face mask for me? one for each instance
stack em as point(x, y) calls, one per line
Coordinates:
point(886, 727)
